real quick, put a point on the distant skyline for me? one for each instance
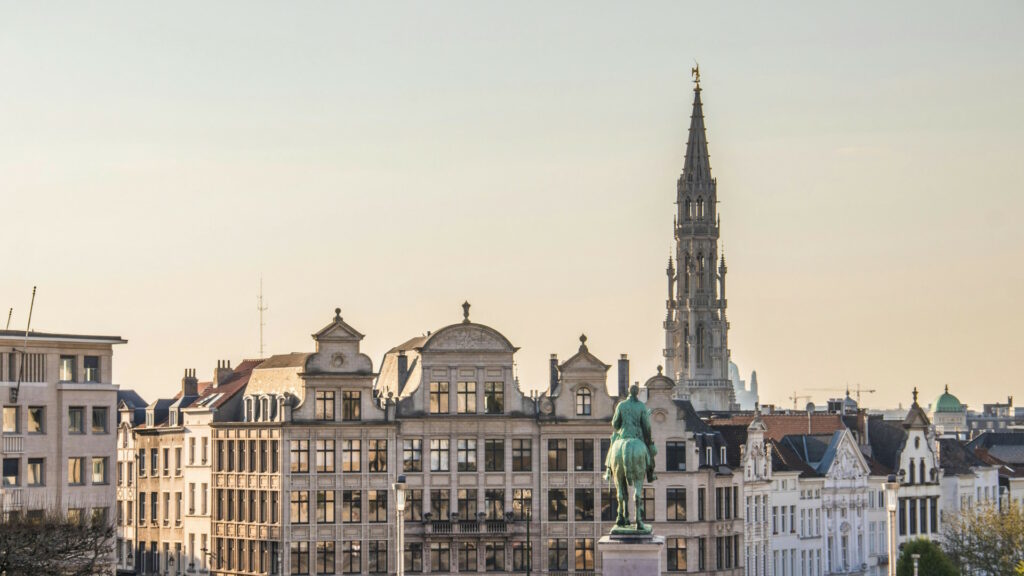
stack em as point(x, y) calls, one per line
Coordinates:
point(397, 159)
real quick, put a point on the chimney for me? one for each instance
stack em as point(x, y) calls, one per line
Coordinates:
point(403, 369)
point(623, 376)
point(189, 383)
point(222, 373)
point(553, 363)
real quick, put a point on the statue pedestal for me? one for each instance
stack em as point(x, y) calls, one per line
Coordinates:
point(639, 555)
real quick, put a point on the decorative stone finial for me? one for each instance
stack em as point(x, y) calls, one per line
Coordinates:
point(583, 342)
point(947, 388)
point(659, 370)
point(337, 314)
point(915, 394)
point(465, 311)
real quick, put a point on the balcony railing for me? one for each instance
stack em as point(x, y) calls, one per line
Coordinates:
point(466, 527)
point(14, 444)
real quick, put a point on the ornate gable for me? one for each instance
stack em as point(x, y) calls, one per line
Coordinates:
point(847, 463)
point(583, 360)
point(338, 331)
point(469, 337)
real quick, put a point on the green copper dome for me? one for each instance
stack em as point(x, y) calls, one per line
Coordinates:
point(948, 403)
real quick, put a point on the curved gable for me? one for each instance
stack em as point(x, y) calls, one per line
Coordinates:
point(468, 336)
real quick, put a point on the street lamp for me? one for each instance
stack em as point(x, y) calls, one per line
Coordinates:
point(399, 488)
point(916, 557)
point(891, 486)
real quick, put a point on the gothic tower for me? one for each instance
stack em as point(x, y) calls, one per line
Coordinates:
point(696, 329)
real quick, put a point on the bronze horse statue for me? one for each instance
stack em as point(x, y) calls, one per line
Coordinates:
point(630, 460)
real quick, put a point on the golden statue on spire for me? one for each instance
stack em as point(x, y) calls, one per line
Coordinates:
point(695, 72)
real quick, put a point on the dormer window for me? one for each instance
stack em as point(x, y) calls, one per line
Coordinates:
point(709, 454)
point(149, 418)
point(583, 399)
point(722, 456)
point(264, 410)
point(172, 419)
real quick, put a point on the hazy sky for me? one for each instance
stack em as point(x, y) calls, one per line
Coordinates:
point(395, 159)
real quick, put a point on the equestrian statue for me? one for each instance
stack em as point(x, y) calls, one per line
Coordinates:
point(630, 460)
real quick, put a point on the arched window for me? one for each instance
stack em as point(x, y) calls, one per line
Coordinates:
point(912, 471)
point(700, 208)
point(264, 414)
point(248, 410)
point(686, 276)
point(700, 345)
point(700, 272)
point(921, 475)
point(688, 209)
point(583, 402)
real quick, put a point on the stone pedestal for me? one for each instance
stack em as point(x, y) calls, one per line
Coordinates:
point(631, 555)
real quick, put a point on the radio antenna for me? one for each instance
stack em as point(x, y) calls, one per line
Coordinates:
point(9, 312)
point(21, 369)
point(261, 308)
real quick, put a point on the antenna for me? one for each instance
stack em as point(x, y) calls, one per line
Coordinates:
point(21, 369)
point(9, 312)
point(261, 308)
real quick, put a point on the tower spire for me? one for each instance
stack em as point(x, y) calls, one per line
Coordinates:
point(697, 165)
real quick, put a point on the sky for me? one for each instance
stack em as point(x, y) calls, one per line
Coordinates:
point(394, 159)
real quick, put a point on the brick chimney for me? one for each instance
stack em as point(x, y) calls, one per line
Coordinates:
point(222, 373)
point(623, 376)
point(189, 383)
point(553, 380)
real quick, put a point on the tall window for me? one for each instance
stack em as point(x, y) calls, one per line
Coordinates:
point(11, 419)
point(92, 368)
point(648, 500)
point(76, 420)
point(351, 506)
point(605, 445)
point(494, 556)
point(558, 452)
point(494, 504)
point(412, 454)
point(676, 554)
point(414, 505)
point(67, 369)
point(467, 503)
point(494, 455)
point(584, 504)
point(583, 402)
point(700, 504)
point(466, 397)
point(351, 557)
point(675, 504)
point(522, 454)
point(325, 557)
point(609, 504)
point(299, 454)
point(377, 505)
point(412, 557)
point(36, 419)
point(300, 507)
point(522, 503)
point(99, 419)
point(521, 561)
point(467, 556)
point(558, 505)
point(700, 344)
point(377, 556)
point(324, 506)
point(583, 454)
point(585, 554)
point(324, 405)
point(440, 557)
point(350, 405)
point(558, 555)
point(377, 454)
point(75, 474)
point(494, 397)
point(99, 470)
point(12, 471)
point(466, 454)
point(675, 455)
point(439, 455)
point(35, 472)
point(438, 397)
point(350, 455)
point(299, 553)
point(440, 504)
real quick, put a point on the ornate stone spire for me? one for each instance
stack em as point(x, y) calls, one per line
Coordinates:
point(697, 166)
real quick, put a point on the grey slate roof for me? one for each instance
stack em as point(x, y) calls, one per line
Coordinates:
point(1006, 446)
point(887, 441)
point(956, 458)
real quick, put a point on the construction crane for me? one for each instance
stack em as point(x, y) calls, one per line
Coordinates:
point(857, 389)
point(795, 398)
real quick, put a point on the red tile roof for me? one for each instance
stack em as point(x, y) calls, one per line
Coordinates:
point(782, 425)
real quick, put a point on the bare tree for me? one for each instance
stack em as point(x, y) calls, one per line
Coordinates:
point(55, 544)
point(986, 539)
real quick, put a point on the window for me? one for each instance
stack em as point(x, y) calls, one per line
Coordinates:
point(99, 471)
point(377, 556)
point(438, 397)
point(522, 504)
point(558, 555)
point(700, 503)
point(439, 456)
point(494, 556)
point(465, 396)
point(675, 455)
point(583, 454)
point(467, 503)
point(324, 507)
point(413, 505)
point(37, 420)
point(583, 402)
point(324, 407)
point(605, 446)
point(325, 557)
point(377, 453)
point(701, 553)
point(413, 557)
point(377, 505)
point(609, 504)
point(521, 557)
point(585, 554)
point(522, 455)
point(11, 420)
point(12, 471)
point(466, 455)
point(467, 556)
point(557, 455)
point(350, 455)
point(154, 460)
point(675, 504)
point(300, 507)
point(167, 461)
point(325, 456)
point(494, 504)
point(67, 369)
point(351, 506)
point(558, 505)
point(177, 461)
point(35, 472)
point(412, 453)
point(76, 420)
point(75, 477)
point(351, 557)
point(494, 455)
point(677, 554)
point(494, 397)
point(205, 448)
point(300, 557)
point(440, 557)
point(440, 504)
point(92, 368)
point(584, 504)
point(350, 405)
point(648, 502)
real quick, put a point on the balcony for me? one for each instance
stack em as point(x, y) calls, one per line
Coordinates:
point(14, 444)
point(11, 498)
point(459, 526)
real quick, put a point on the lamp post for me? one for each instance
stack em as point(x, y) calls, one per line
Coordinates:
point(399, 488)
point(916, 557)
point(891, 486)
